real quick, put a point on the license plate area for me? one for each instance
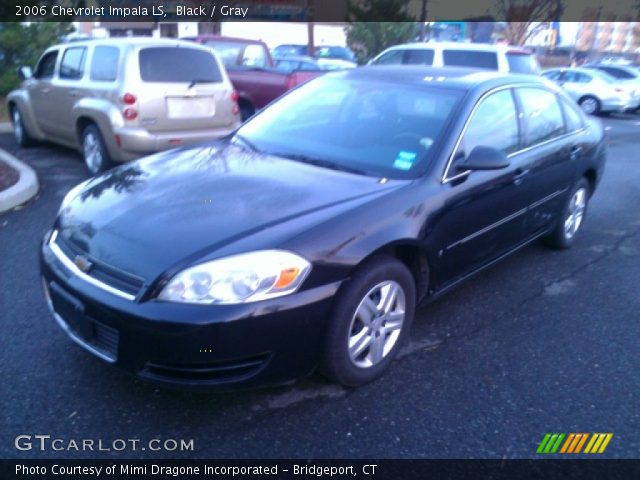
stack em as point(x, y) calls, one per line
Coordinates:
point(71, 310)
point(191, 107)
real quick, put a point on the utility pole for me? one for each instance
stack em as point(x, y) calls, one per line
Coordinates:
point(423, 20)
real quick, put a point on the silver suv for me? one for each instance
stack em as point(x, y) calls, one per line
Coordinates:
point(119, 99)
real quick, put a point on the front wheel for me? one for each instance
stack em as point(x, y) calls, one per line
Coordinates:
point(94, 150)
point(590, 105)
point(19, 130)
point(571, 217)
point(371, 320)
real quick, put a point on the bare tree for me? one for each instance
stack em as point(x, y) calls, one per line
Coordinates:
point(526, 18)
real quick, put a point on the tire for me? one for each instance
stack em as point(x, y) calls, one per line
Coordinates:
point(374, 346)
point(19, 130)
point(590, 105)
point(571, 218)
point(95, 154)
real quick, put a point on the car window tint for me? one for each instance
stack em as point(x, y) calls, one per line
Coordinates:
point(470, 58)
point(552, 75)
point(394, 57)
point(104, 64)
point(375, 127)
point(46, 66)
point(542, 114)
point(576, 77)
point(522, 63)
point(72, 65)
point(173, 64)
point(419, 57)
point(572, 116)
point(617, 73)
point(494, 124)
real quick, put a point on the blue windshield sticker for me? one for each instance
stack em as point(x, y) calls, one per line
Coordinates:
point(404, 160)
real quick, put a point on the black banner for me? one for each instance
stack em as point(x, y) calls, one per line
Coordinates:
point(317, 10)
point(314, 469)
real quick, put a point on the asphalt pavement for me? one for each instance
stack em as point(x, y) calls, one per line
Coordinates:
point(545, 341)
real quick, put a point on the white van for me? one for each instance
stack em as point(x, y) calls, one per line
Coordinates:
point(502, 58)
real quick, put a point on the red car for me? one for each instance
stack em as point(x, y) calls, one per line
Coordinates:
point(252, 71)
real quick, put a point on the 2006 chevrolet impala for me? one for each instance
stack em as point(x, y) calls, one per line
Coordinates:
point(305, 239)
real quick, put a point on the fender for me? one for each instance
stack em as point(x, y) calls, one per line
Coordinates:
point(105, 115)
point(20, 98)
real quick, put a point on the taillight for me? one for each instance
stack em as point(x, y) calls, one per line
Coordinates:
point(292, 81)
point(130, 113)
point(129, 99)
point(235, 109)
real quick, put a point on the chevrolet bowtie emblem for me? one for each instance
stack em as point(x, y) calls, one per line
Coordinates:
point(82, 263)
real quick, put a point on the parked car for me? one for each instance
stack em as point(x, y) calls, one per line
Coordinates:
point(308, 237)
point(595, 91)
point(120, 99)
point(625, 74)
point(502, 58)
point(252, 71)
point(294, 63)
point(323, 51)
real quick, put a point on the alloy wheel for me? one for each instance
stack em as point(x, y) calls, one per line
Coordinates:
point(17, 126)
point(92, 152)
point(377, 324)
point(577, 206)
point(589, 106)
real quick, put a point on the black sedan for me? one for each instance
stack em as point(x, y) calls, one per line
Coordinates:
point(305, 240)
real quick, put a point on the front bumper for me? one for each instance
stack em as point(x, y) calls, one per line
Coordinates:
point(191, 346)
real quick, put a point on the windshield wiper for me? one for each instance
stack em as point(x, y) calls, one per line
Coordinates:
point(198, 80)
point(319, 162)
point(248, 143)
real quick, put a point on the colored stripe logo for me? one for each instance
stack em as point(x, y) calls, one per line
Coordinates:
point(574, 443)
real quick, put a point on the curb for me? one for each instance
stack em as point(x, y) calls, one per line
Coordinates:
point(25, 188)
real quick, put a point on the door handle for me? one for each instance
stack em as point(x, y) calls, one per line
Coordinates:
point(575, 152)
point(519, 175)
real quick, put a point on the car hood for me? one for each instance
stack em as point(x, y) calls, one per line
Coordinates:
point(147, 216)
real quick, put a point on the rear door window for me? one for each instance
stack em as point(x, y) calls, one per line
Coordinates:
point(542, 113)
point(470, 58)
point(178, 64)
point(522, 63)
point(72, 66)
point(104, 64)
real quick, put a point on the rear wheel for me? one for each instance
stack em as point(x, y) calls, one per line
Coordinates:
point(19, 130)
point(571, 217)
point(590, 105)
point(371, 320)
point(94, 150)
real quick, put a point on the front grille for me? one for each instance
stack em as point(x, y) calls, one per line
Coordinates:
point(205, 373)
point(105, 338)
point(111, 276)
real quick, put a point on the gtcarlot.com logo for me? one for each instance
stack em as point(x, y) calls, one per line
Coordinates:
point(574, 443)
point(49, 443)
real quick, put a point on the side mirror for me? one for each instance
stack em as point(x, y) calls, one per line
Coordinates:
point(485, 158)
point(25, 73)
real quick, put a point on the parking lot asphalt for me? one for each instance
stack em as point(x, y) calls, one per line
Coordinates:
point(545, 341)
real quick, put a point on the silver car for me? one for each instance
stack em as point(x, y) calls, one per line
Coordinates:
point(625, 74)
point(120, 99)
point(595, 91)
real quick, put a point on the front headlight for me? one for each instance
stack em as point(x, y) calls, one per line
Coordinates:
point(71, 194)
point(243, 278)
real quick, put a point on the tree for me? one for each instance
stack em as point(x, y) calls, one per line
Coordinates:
point(22, 44)
point(526, 17)
point(378, 24)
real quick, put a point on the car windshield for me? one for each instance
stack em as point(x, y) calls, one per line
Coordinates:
point(522, 63)
point(373, 128)
point(236, 55)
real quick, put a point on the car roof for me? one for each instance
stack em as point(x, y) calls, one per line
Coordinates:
point(449, 77)
point(296, 58)
point(210, 36)
point(487, 47)
point(127, 41)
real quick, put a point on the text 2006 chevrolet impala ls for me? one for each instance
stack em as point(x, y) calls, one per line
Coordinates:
point(306, 238)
